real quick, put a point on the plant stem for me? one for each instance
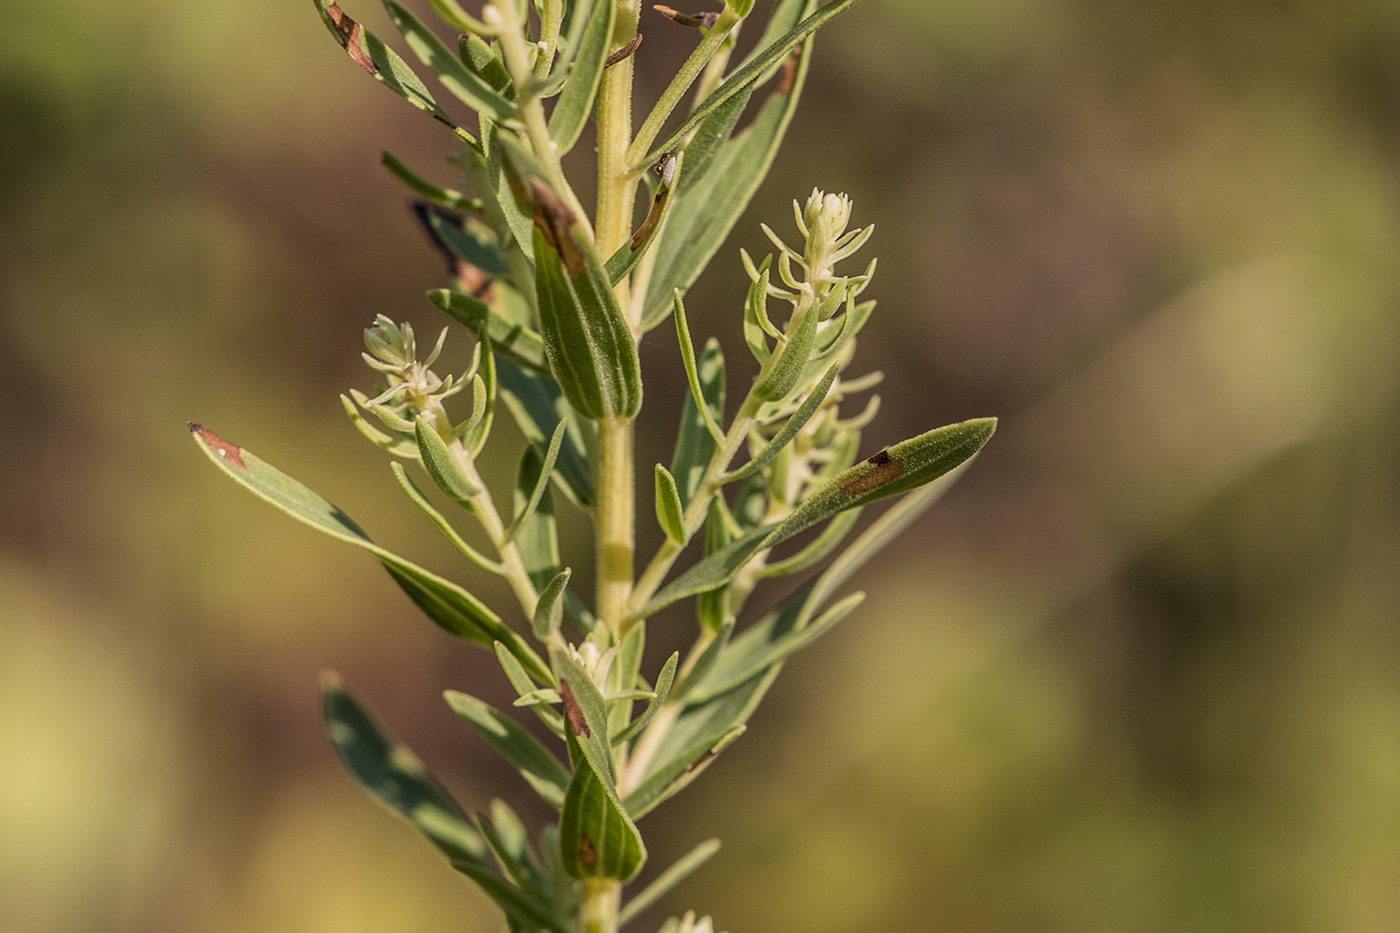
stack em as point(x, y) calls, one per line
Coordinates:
point(597, 911)
point(614, 522)
point(517, 55)
point(615, 190)
point(484, 507)
point(671, 97)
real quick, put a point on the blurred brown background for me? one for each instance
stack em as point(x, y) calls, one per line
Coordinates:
point(1140, 672)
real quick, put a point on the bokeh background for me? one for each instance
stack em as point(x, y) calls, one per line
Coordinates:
point(1139, 672)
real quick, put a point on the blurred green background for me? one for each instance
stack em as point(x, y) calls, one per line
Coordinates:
point(1139, 672)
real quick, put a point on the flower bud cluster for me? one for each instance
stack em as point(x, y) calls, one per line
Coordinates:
point(413, 387)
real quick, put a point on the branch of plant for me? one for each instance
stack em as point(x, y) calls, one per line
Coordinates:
point(671, 97)
point(484, 508)
point(614, 523)
point(502, 16)
point(551, 19)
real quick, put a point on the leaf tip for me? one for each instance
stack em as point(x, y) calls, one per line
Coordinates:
point(231, 453)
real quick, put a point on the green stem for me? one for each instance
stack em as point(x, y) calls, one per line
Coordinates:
point(597, 910)
point(671, 97)
point(484, 507)
point(614, 523)
point(549, 35)
point(616, 191)
point(502, 14)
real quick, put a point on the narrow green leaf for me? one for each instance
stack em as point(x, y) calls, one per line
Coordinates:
point(576, 101)
point(417, 497)
point(549, 608)
point(449, 198)
point(586, 713)
point(577, 14)
point(905, 466)
point(535, 763)
point(466, 86)
point(477, 55)
point(476, 429)
point(710, 137)
point(621, 263)
point(460, 242)
point(446, 603)
point(514, 341)
point(832, 535)
point(676, 773)
point(511, 850)
point(669, 512)
point(789, 430)
point(524, 685)
point(541, 485)
point(692, 375)
point(515, 215)
point(384, 65)
point(681, 869)
point(396, 776)
point(397, 446)
point(538, 537)
point(441, 466)
point(518, 906)
point(712, 609)
point(701, 668)
point(664, 681)
point(597, 839)
point(707, 207)
point(587, 340)
point(539, 407)
point(793, 355)
point(775, 651)
point(750, 73)
point(695, 445)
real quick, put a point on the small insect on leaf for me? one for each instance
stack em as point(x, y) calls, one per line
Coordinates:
point(887, 470)
point(574, 712)
point(230, 452)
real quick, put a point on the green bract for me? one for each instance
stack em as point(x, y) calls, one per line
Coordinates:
point(555, 332)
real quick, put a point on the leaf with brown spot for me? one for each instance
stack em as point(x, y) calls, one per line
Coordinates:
point(230, 452)
point(573, 713)
point(886, 471)
point(623, 52)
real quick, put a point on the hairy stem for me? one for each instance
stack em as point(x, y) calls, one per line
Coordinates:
point(614, 522)
point(597, 911)
point(671, 97)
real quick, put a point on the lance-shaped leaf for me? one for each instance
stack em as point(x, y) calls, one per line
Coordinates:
point(446, 603)
point(549, 608)
point(707, 207)
point(659, 696)
point(710, 136)
point(477, 55)
point(464, 84)
point(712, 609)
point(597, 839)
point(396, 776)
point(441, 465)
point(587, 340)
point(786, 371)
point(384, 65)
point(538, 406)
point(516, 216)
point(669, 511)
point(681, 869)
point(692, 374)
point(541, 769)
point(695, 445)
point(576, 100)
point(524, 686)
point(905, 466)
point(522, 515)
point(418, 498)
point(508, 838)
point(449, 198)
point(538, 537)
point(514, 341)
point(756, 656)
point(458, 242)
point(676, 773)
point(398, 446)
point(521, 909)
point(789, 430)
point(587, 715)
point(748, 74)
